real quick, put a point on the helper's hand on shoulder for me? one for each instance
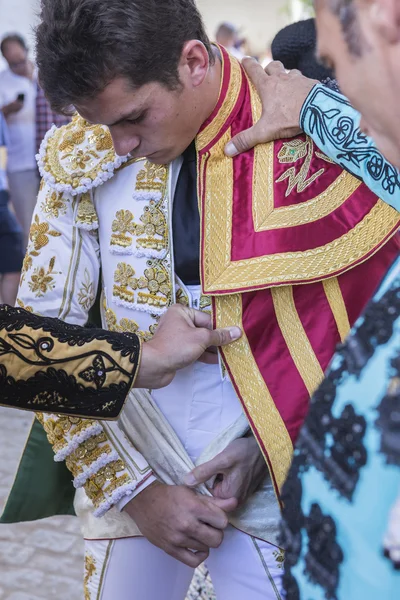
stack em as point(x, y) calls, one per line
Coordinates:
point(282, 95)
point(179, 521)
point(238, 471)
point(183, 336)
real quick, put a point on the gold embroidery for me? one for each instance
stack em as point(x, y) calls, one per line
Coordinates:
point(22, 305)
point(153, 223)
point(152, 178)
point(266, 217)
point(124, 279)
point(86, 294)
point(108, 473)
point(90, 570)
point(205, 303)
point(296, 338)
point(42, 281)
point(68, 163)
point(224, 275)
point(182, 297)
point(253, 391)
point(39, 235)
point(157, 281)
point(336, 302)
point(280, 558)
point(117, 482)
point(291, 152)
point(122, 225)
point(54, 205)
point(86, 212)
point(126, 325)
point(101, 138)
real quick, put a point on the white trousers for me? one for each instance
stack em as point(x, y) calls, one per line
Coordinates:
point(242, 568)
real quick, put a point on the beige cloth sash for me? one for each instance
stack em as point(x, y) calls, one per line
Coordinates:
point(146, 427)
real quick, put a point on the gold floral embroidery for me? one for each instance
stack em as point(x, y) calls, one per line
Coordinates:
point(291, 152)
point(42, 281)
point(157, 281)
point(152, 178)
point(124, 279)
point(39, 235)
point(86, 214)
point(182, 297)
point(81, 159)
point(22, 305)
point(108, 473)
point(78, 152)
point(279, 557)
point(101, 138)
point(122, 225)
point(126, 325)
point(90, 570)
point(72, 138)
point(54, 205)
point(153, 223)
point(86, 295)
point(205, 303)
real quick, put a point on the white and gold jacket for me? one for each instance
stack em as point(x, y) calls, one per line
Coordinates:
point(99, 216)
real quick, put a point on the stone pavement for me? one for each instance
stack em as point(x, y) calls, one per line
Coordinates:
point(41, 560)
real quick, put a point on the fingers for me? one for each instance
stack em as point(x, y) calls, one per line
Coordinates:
point(243, 141)
point(275, 68)
point(187, 557)
point(209, 536)
point(204, 472)
point(209, 358)
point(200, 319)
point(222, 337)
point(225, 504)
point(212, 515)
point(254, 70)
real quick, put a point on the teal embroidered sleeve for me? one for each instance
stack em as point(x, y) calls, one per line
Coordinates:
point(333, 124)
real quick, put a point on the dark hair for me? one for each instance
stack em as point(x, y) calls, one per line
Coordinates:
point(295, 46)
point(13, 37)
point(346, 12)
point(82, 45)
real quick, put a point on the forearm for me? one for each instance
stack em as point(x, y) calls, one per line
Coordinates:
point(50, 366)
point(333, 124)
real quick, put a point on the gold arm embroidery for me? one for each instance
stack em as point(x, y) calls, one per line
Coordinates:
point(253, 391)
point(42, 280)
point(54, 205)
point(296, 338)
point(336, 302)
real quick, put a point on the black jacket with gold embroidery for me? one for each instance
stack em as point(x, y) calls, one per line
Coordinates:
point(48, 365)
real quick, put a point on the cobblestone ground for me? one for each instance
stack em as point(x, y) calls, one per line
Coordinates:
point(40, 560)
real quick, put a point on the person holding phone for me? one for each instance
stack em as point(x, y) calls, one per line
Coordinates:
point(17, 103)
point(28, 117)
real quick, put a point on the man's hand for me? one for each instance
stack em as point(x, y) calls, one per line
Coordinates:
point(282, 95)
point(180, 522)
point(14, 107)
point(183, 336)
point(239, 470)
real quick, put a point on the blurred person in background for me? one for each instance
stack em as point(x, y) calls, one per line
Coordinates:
point(295, 47)
point(28, 117)
point(11, 252)
point(228, 36)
